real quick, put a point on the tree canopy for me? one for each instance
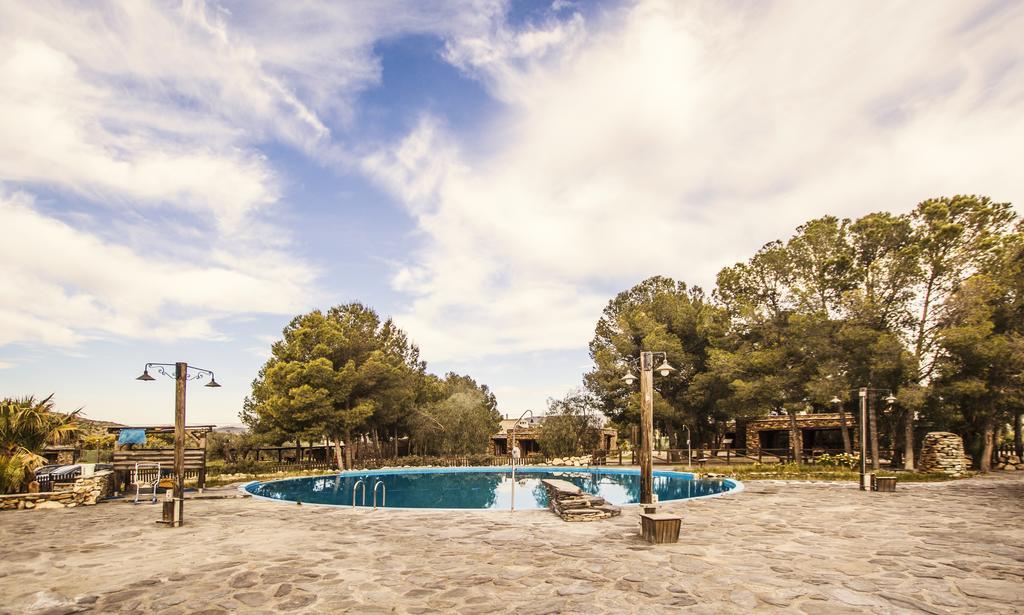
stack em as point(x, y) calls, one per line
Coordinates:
point(346, 374)
point(905, 302)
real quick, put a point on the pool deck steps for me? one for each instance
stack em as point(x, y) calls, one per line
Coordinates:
point(570, 503)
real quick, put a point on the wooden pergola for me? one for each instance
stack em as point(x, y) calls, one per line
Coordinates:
point(126, 458)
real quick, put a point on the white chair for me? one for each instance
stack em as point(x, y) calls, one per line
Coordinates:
point(142, 485)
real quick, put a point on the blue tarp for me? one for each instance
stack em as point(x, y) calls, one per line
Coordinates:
point(132, 436)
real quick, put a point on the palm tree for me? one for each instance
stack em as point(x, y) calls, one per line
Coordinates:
point(26, 427)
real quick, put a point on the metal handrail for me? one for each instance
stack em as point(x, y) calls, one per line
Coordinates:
point(383, 492)
point(356, 487)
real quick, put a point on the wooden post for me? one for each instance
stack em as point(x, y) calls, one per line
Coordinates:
point(180, 373)
point(1017, 443)
point(862, 393)
point(908, 440)
point(646, 427)
point(873, 428)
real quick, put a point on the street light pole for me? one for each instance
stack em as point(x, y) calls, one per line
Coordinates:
point(862, 429)
point(647, 370)
point(863, 394)
point(181, 376)
point(689, 454)
point(646, 429)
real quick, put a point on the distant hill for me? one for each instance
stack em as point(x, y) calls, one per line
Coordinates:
point(92, 427)
point(239, 429)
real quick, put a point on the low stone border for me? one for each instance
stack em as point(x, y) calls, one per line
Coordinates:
point(86, 491)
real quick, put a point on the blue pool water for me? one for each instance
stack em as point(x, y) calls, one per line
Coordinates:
point(482, 488)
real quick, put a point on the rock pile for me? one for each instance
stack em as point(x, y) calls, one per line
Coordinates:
point(943, 452)
point(1009, 462)
point(570, 503)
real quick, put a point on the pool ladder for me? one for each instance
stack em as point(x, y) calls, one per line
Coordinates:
point(383, 493)
point(355, 488)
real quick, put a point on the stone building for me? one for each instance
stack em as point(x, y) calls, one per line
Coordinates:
point(818, 432)
point(526, 436)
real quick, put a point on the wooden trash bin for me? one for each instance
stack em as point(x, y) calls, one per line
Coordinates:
point(167, 516)
point(885, 483)
point(660, 528)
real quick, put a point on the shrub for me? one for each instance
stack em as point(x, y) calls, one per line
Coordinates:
point(841, 460)
point(26, 427)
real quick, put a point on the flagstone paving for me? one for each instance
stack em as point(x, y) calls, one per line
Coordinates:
point(775, 547)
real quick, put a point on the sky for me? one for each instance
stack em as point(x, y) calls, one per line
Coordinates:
point(179, 179)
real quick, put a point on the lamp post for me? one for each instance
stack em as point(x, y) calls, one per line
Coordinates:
point(862, 394)
point(689, 455)
point(647, 370)
point(838, 403)
point(181, 376)
point(515, 457)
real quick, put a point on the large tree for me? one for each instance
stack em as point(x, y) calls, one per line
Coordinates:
point(455, 417)
point(659, 314)
point(572, 425)
point(980, 355)
point(815, 316)
point(330, 373)
point(780, 334)
point(954, 238)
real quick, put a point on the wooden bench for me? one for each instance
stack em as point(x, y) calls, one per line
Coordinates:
point(660, 528)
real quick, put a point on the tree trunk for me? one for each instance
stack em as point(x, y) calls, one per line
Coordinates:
point(376, 443)
point(845, 431)
point(337, 452)
point(1018, 449)
point(988, 442)
point(396, 442)
point(873, 427)
point(908, 441)
point(348, 449)
point(794, 438)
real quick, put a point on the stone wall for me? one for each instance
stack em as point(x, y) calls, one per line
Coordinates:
point(86, 491)
point(942, 451)
point(1010, 462)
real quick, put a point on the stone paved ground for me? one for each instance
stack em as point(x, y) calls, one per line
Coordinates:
point(776, 547)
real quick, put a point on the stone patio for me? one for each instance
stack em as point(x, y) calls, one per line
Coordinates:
point(776, 547)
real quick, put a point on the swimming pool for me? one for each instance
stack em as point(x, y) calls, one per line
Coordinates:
point(482, 487)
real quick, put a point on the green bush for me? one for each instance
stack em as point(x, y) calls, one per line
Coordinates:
point(841, 460)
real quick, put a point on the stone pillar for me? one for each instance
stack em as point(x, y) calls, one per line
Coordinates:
point(942, 451)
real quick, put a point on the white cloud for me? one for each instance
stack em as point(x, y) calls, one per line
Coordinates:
point(147, 120)
point(60, 286)
point(676, 138)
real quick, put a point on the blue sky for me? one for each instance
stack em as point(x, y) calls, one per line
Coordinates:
point(178, 179)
